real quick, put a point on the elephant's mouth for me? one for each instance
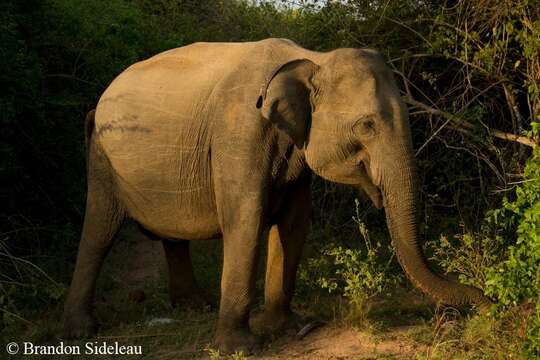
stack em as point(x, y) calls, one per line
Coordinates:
point(352, 171)
point(367, 185)
point(372, 192)
point(355, 176)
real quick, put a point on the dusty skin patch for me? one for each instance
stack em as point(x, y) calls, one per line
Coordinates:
point(137, 264)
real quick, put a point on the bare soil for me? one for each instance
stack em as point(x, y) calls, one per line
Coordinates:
point(137, 269)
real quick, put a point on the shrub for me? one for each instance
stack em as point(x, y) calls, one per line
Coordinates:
point(357, 274)
point(517, 278)
point(504, 258)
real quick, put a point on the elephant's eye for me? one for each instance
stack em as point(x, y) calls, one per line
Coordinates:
point(364, 127)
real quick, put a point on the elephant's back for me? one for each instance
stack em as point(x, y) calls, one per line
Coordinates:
point(170, 100)
point(179, 82)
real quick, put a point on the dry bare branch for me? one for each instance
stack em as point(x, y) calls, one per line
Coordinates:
point(460, 122)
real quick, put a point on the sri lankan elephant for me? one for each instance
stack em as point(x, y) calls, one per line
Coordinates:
point(221, 139)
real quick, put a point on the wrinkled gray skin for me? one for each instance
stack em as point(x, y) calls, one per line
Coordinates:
point(221, 139)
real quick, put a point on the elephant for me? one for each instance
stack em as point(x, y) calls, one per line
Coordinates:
point(222, 140)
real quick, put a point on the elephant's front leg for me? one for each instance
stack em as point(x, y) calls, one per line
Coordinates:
point(242, 230)
point(285, 242)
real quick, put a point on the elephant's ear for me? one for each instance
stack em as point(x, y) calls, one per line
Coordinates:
point(285, 98)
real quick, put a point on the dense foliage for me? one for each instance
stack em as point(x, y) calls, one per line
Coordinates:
point(469, 70)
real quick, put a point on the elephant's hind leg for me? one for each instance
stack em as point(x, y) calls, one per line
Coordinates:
point(183, 288)
point(104, 216)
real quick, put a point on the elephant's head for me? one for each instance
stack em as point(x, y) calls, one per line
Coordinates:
point(347, 115)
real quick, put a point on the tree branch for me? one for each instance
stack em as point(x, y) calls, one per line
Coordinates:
point(460, 122)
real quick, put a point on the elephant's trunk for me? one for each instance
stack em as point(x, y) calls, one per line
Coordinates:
point(400, 201)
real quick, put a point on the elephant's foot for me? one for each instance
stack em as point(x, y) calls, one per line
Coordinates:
point(236, 341)
point(271, 322)
point(79, 325)
point(195, 298)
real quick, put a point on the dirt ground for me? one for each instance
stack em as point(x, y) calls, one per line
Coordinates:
point(138, 313)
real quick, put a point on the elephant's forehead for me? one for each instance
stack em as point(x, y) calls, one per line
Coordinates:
point(351, 99)
point(361, 92)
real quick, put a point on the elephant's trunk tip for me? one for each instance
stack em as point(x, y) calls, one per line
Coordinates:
point(463, 295)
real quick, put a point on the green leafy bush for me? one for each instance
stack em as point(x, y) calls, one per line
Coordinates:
point(504, 258)
point(468, 255)
point(517, 278)
point(357, 274)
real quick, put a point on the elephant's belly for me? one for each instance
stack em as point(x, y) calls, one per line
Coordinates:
point(187, 215)
point(169, 193)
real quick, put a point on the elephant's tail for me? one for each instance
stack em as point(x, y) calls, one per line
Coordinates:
point(89, 124)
